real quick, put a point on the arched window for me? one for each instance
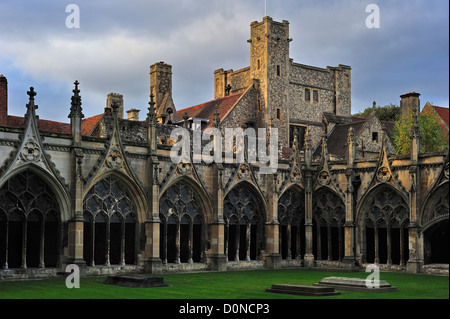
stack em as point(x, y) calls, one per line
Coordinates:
point(245, 222)
point(182, 225)
point(109, 224)
point(29, 223)
point(291, 215)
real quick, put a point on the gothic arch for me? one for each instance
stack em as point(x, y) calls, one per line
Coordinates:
point(184, 222)
point(244, 212)
point(30, 222)
point(111, 220)
point(291, 216)
point(207, 208)
point(328, 224)
point(435, 229)
point(135, 191)
point(382, 222)
point(436, 206)
point(62, 195)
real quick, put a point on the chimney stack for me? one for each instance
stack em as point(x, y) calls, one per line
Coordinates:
point(115, 97)
point(3, 100)
point(410, 101)
point(133, 115)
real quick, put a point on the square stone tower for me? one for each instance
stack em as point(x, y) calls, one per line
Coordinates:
point(269, 64)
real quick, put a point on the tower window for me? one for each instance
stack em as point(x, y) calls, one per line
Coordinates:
point(278, 70)
point(315, 96)
point(278, 114)
point(307, 95)
point(259, 64)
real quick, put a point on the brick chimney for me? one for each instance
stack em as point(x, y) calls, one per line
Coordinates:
point(3, 100)
point(133, 115)
point(118, 98)
point(410, 101)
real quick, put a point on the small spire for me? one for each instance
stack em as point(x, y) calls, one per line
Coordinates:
point(151, 116)
point(185, 118)
point(216, 123)
point(75, 109)
point(350, 136)
point(415, 131)
point(307, 144)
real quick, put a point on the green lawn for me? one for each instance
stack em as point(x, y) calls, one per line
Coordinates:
point(226, 285)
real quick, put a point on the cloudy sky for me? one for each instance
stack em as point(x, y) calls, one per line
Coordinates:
point(117, 41)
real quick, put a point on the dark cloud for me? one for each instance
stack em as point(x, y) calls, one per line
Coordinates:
point(118, 41)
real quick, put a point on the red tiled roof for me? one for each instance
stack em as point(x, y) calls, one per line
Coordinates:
point(44, 125)
point(206, 110)
point(88, 125)
point(443, 113)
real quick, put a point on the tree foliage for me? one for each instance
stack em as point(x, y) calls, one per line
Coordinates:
point(432, 139)
point(389, 112)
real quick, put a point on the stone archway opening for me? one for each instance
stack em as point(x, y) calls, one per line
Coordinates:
point(182, 234)
point(436, 243)
point(29, 223)
point(244, 224)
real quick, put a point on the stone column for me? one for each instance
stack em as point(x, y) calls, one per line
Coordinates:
point(247, 241)
point(414, 263)
point(41, 246)
point(122, 242)
point(24, 244)
point(272, 253)
point(309, 256)
point(353, 183)
point(152, 258)
point(191, 241)
point(218, 254)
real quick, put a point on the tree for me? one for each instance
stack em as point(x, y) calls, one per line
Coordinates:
point(431, 137)
point(389, 112)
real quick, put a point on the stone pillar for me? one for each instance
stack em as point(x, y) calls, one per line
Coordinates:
point(76, 223)
point(308, 174)
point(352, 186)
point(217, 257)
point(414, 263)
point(272, 253)
point(309, 256)
point(152, 259)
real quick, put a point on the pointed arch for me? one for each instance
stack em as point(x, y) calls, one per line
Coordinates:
point(31, 220)
point(135, 192)
point(291, 215)
point(382, 222)
point(61, 193)
point(328, 220)
point(185, 211)
point(435, 221)
point(244, 204)
point(111, 215)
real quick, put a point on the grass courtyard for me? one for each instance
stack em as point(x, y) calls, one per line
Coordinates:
point(227, 285)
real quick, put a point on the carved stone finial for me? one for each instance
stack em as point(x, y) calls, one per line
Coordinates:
point(31, 93)
point(151, 116)
point(75, 108)
point(350, 136)
point(216, 123)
